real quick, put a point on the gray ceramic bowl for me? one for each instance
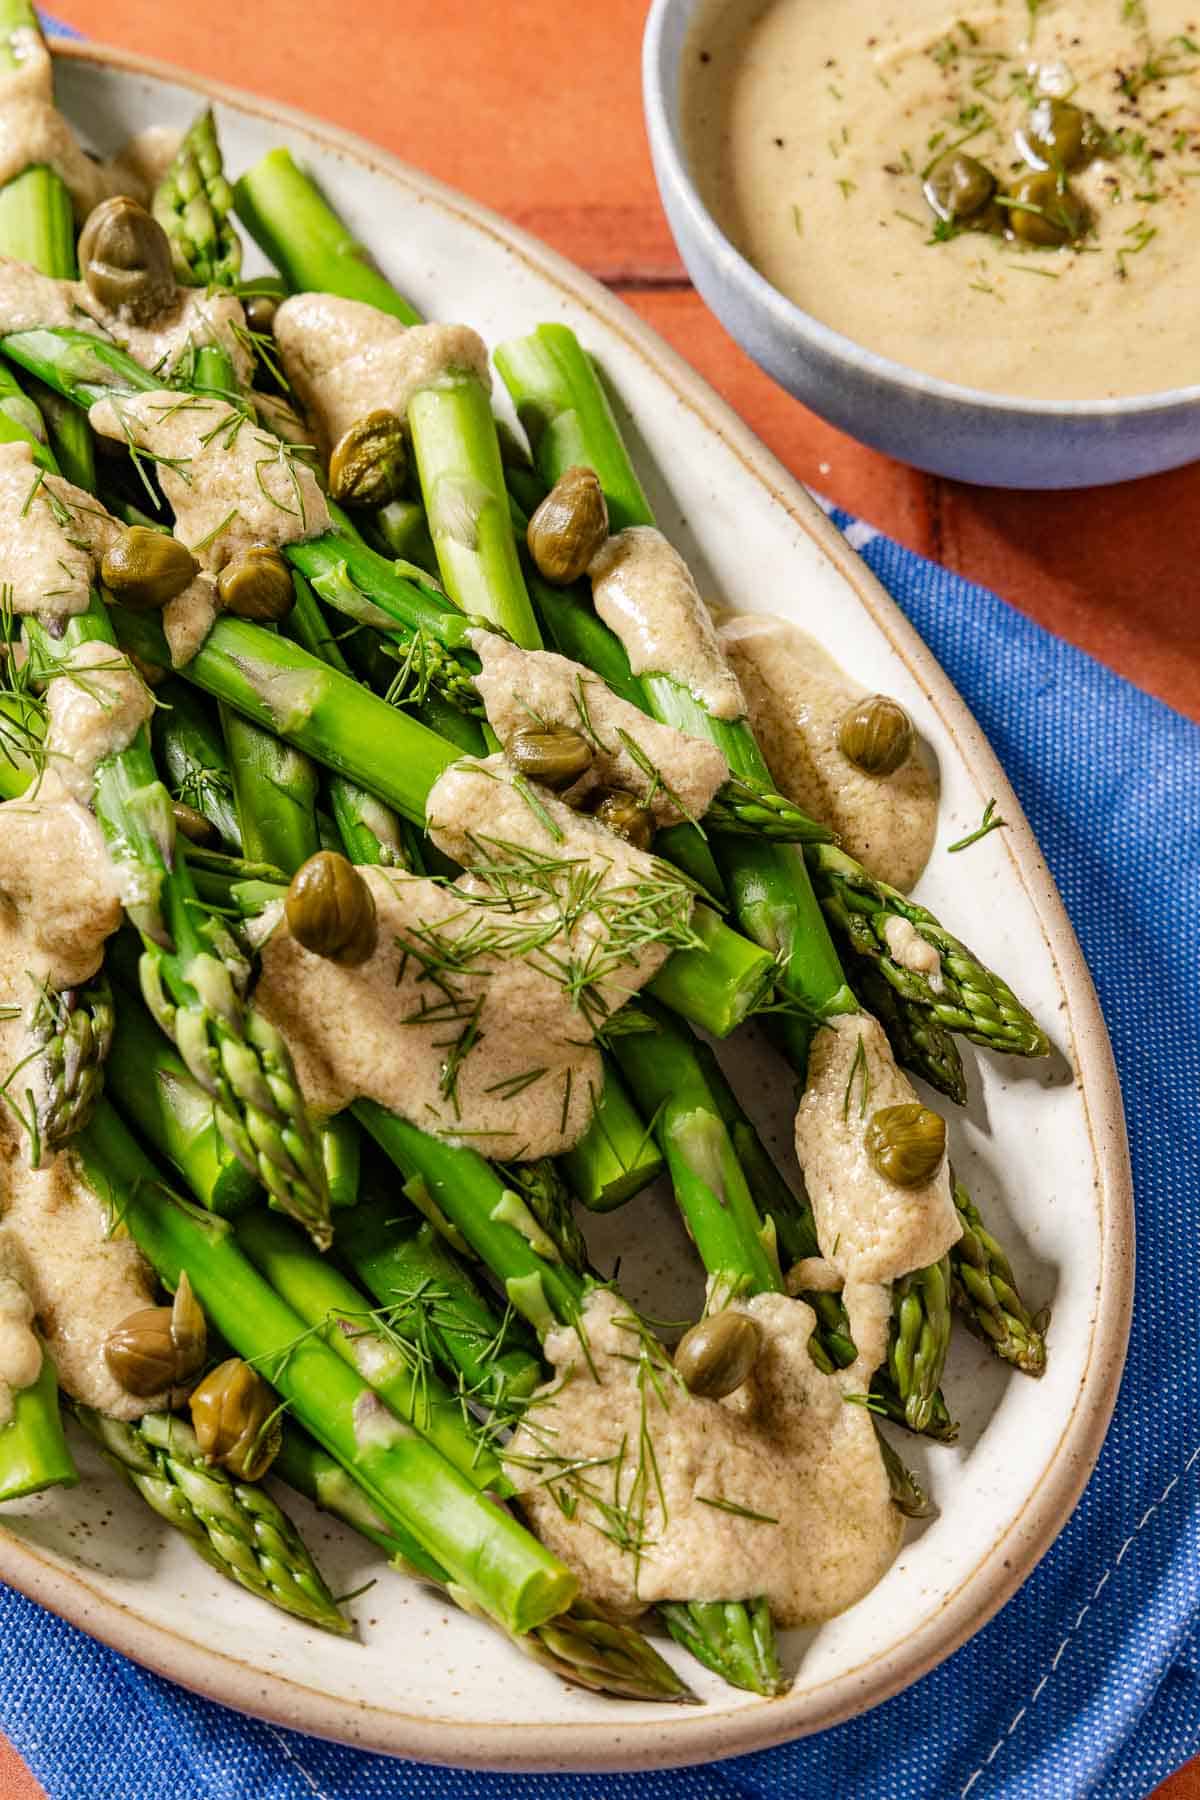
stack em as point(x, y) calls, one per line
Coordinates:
point(950, 430)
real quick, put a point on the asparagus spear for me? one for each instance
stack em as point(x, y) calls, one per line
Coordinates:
point(967, 996)
point(150, 1083)
point(373, 1341)
point(304, 238)
point(985, 1291)
point(192, 203)
point(69, 1036)
point(189, 750)
point(918, 1039)
point(33, 1450)
point(275, 789)
point(505, 1571)
point(236, 1527)
point(405, 1263)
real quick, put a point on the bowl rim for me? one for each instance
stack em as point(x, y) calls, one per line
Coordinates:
point(673, 1737)
point(660, 77)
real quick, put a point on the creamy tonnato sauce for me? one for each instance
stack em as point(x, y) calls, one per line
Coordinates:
point(652, 1493)
point(796, 696)
point(645, 592)
point(810, 126)
point(230, 484)
point(193, 319)
point(675, 776)
point(52, 536)
point(474, 1017)
point(59, 903)
point(345, 359)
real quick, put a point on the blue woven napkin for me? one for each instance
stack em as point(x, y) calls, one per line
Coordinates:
point(1088, 1681)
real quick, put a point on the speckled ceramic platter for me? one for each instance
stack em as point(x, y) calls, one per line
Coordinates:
point(1042, 1147)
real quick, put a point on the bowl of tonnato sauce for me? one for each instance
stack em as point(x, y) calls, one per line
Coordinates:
point(970, 238)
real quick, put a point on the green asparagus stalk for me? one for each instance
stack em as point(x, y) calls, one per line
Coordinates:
point(189, 750)
point(302, 1464)
point(275, 789)
point(374, 1341)
point(151, 1085)
point(505, 1571)
point(907, 1492)
point(193, 975)
point(33, 1450)
point(403, 1261)
point(192, 203)
point(236, 1527)
point(578, 1647)
point(304, 238)
point(736, 1247)
point(985, 1291)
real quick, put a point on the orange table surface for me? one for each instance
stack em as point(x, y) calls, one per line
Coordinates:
point(510, 103)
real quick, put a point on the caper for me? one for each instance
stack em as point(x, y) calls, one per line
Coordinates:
point(906, 1143)
point(568, 527)
point(234, 1418)
point(1059, 135)
point(331, 910)
point(257, 584)
point(556, 758)
point(369, 462)
point(194, 826)
point(875, 734)
point(145, 568)
point(1044, 213)
point(159, 1348)
point(959, 187)
point(260, 310)
point(125, 258)
point(718, 1355)
point(624, 815)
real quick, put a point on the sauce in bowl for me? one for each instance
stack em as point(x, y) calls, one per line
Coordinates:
point(1007, 196)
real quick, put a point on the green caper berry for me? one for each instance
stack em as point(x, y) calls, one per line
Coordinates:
point(876, 735)
point(257, 584)
point(1059, 135)
point(145, 568)
point(125, 259)
point(159, 1347)
point(624, 815)
point(906, 1143)
point(233, 1417)
point(260, 310)
point(716, 1356)
point(568, 527)
point(369, 462)
point(1044, 213)
point(331, 910)
point(959, 187)
point(557, 758)
point(194, 826)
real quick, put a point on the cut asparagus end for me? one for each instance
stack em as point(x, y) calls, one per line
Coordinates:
point(733, 1638)
point(33, 1450)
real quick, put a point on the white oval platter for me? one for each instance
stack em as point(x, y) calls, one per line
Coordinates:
point(1042, 1148)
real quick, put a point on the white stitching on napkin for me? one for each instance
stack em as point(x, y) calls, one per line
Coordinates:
point(1099, 1588)
point(295, 1761)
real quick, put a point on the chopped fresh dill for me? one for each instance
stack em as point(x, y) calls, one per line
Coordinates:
point(991, 821)
point(741, 1512)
